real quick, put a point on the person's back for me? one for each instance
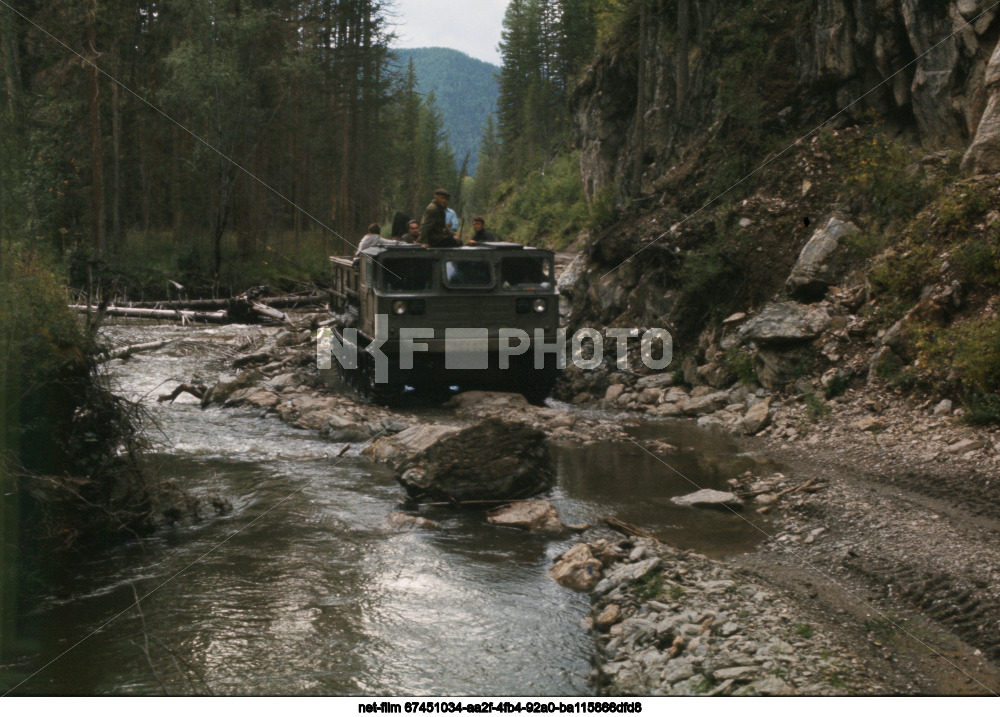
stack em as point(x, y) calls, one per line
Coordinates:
point(372, 238)
point(434, 231)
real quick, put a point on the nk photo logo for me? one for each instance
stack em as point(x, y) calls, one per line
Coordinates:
point(481, 349)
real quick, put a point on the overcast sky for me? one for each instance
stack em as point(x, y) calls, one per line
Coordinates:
point(470, 26)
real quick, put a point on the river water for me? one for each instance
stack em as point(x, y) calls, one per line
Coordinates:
point(304, 589)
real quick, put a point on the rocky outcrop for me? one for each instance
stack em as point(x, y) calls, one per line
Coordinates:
point(784, 323)
point(840, 57)
point(491, 460)
point(983, 154)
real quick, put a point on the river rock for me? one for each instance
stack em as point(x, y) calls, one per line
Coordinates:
point(577, 569)
point(816, 268)
point(344, 429)
point(608, 617)
point(493, 399)
point(625, 573)
point(656, 380)
point(702, 405)
point(491, 460)
point(402, 521)
point(708, 498)
point(528, 515)
point(784, 322)
point(227, 387)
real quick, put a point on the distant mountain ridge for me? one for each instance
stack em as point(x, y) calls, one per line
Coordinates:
point(465, 89)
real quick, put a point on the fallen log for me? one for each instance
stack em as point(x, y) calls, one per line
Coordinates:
point(269, 312)
point(218, 317)
point(276, 302)
point(126, 351)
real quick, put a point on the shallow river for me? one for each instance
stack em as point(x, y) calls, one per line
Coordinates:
point(303, 589)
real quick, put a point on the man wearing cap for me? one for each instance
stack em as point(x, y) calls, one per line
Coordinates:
point(434, 231)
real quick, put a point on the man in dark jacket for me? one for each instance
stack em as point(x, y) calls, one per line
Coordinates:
point(434, 232)
point(480, 232)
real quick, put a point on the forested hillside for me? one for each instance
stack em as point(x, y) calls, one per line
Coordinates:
point(213, 144)
point(465, 90)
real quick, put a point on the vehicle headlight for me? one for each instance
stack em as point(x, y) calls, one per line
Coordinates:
point(399, 308)
point(539, 305)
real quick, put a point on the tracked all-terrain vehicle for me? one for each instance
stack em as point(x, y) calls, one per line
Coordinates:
point(483, 317)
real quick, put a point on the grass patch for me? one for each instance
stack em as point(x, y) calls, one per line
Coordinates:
point(804, 631)
point(648, 587)
point(882, 627)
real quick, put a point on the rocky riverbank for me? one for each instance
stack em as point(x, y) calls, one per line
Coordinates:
point(672, 622)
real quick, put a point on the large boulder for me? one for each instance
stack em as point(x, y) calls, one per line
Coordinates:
point(785, 322)
point(491, 460)
point(818, 266)
point(396, 449)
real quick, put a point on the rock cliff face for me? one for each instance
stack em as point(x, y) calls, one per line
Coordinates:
point(924, 65)
point(723, 213)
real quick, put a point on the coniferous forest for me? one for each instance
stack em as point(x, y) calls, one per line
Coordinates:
point(206, 142)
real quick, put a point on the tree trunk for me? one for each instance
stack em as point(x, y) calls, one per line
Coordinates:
point(97, 159)
point(116, 139)
point(683, 31)
point(640, 102)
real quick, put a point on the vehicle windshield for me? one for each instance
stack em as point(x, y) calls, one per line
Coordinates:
point(468, 274)
point(525, 273)
point(407, 274)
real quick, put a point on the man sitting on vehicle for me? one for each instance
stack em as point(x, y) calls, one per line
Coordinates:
point(413, 234)
point(372, 238)
point(434, 231)
point(480, 233)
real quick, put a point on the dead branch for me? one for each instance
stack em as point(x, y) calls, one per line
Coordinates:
point(196, 391)
point(797, 488)
point(145, 646)
point(126, 351)
point(630, 530)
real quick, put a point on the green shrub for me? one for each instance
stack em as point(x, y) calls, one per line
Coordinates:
point(604, 209)
point(740, 362)
point(977, 353)
point(835, 387)
point(815, 408)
